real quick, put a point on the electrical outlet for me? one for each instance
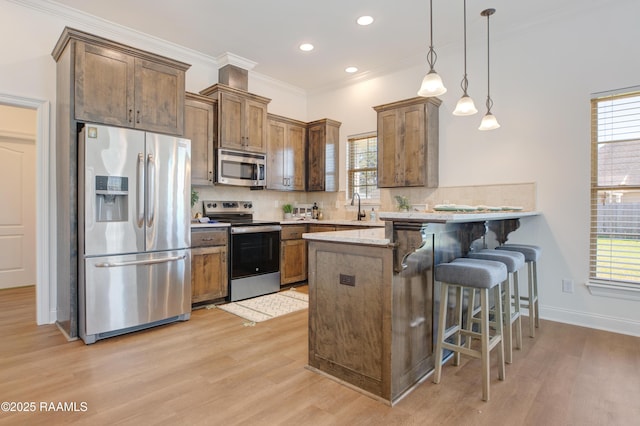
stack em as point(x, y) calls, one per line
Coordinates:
point(567, 286)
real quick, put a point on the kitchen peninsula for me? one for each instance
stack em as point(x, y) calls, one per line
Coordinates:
point(371, 295)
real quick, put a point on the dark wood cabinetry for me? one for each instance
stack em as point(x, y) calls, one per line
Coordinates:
point(199, 126)
point(322, 155)
point(118, 85)
point(293, 254)
point(286, 146)
point(408, 143)
point(242, 118)
point(209, 265)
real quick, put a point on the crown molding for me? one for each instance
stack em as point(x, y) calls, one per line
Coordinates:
point(228, 58)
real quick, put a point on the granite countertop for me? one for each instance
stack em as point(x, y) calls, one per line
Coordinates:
point(371, 236)
point(196, 225)
point(454, 217)
point(343, 222)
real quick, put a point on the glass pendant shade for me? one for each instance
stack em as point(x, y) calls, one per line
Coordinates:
point(465, 106)
point(489, 122)
point(432, 85)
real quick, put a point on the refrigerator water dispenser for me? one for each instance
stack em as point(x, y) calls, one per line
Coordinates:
point(112, 198)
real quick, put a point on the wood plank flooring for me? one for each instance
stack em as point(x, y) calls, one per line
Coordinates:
point(214, 370)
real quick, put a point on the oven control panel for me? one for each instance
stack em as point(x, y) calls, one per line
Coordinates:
point(240, 207)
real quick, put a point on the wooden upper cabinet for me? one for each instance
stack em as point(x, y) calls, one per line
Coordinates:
point(199, 126)
point(322, 155)
point(286, 145)
point(118, 85)
point(159, 97)
point(242, 118)
point(408, 143)
point(104, 85)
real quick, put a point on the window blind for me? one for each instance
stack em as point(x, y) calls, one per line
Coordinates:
point(615, 187)
point(362, 166)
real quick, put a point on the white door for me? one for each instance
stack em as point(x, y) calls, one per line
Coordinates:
point(17, 212)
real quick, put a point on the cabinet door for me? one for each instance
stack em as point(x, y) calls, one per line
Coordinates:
point(231, 125)
point(293, 261)
point(389, 153)
point(413, 143)
point(255, 121)
point(209, 274)
point(316, 158)
point(276, 149)
point(295, 157)
point(199, 127)
point(104, 85)
point(159, 98)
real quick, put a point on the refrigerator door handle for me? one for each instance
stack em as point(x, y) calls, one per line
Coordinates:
point(151, 190)
point(139, 262)
point(140, 192)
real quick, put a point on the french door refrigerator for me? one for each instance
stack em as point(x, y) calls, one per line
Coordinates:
point(134, 232)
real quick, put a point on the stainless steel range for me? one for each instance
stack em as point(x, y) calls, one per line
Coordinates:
point(255, 249)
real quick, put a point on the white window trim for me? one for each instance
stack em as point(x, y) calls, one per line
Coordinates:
point(369, 202)
point(616, 291)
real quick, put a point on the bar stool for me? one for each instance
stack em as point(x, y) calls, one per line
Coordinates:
point(514, 261)
point(471, 274)
point(531, 255)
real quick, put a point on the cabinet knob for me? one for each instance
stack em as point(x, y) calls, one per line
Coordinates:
point(130, 116)
point(138, 117)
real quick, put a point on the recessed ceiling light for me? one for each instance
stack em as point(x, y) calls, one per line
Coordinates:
point(306, 47)
point(364, 20)
point(351, 70)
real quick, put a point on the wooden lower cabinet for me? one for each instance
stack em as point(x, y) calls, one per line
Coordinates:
point(293, 254)
point(209, 273)
point(209, 265)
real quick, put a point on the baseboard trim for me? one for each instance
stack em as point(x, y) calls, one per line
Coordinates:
point(598, 322)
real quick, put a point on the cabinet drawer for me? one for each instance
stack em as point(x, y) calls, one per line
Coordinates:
point(209, 237)
point(322, 228)
point(292, 232)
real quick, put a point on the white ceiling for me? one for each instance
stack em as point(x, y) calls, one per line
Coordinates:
point(268, 32)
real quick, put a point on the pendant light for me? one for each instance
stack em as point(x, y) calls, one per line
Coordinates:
point(432, 83)
point(489, 121)
point(465, 105)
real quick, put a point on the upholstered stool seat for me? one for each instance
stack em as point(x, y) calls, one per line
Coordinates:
point(531, 255)
point(472, 274)
point(514, 261)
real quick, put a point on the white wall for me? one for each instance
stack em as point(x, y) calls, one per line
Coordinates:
point(542, 78)
point(541, 81)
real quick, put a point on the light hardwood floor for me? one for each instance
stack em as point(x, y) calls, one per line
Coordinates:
point(214, 370)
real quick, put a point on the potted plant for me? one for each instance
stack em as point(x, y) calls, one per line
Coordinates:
point(287, 210)
point(403, 203)
point(194, 197)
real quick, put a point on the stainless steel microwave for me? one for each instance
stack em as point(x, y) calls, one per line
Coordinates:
point(241, 168)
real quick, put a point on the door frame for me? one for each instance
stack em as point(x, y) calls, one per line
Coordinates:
point(45, 242)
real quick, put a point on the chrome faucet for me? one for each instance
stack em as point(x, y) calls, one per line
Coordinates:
point(360, 213)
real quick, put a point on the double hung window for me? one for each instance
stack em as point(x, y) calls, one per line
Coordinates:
point(615, 189)
point(362, 166)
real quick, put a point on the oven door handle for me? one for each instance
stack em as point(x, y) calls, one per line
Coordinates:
point(255, 229)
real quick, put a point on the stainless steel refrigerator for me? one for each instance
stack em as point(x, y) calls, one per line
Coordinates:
point(133, 230)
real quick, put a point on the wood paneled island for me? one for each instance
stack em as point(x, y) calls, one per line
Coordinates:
point(371, 296)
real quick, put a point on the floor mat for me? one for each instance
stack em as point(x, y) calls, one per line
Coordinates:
point(267, 307)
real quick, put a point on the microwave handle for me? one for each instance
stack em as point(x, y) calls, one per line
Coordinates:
point(260, 172)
